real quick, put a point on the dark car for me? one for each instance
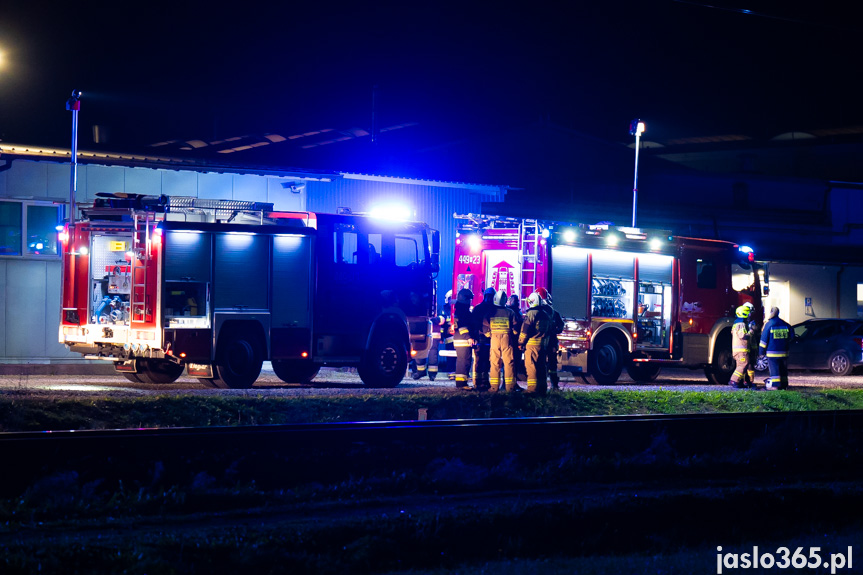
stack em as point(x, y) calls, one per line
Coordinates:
point(834, 344)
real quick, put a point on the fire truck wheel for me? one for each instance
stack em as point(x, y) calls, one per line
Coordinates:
point(293, 371)
point(133, 377)
point(238, 361)
point(159, 371)
point(604, 362)
point(385, 362)
point(643, 372)
point(719, 372)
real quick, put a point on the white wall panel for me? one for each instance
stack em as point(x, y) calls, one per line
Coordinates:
point(58, 182)
point(103, 179)
point(142, 181)
point(176, 183)
point(283, 198)
point(215, 186)
point(250, 188)
point(26, 308)
point(27, 180)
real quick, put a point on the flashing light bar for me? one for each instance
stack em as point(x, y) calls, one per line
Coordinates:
point(394, 212)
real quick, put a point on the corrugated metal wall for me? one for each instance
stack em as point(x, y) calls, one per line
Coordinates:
point(434, 205)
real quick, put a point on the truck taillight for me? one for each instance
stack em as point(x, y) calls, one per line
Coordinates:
point(859, 342)
point(74, 330)
point(63, 234)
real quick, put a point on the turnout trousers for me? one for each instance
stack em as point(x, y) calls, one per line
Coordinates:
point(462, 358)
point(778, 371)
point(501, 353)
point(534, 362)
point(743, 370)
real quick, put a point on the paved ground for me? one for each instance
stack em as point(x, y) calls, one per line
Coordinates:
point(345, 381)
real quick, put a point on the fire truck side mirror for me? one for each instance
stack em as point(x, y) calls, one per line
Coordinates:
point(435, 251)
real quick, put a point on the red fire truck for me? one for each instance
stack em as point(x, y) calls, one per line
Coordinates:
point(630, 298)
point(161, 284)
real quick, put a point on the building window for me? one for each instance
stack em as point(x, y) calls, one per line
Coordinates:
point(29, 228)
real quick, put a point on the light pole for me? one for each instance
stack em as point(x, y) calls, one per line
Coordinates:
point(73, 104)
point(636, 128)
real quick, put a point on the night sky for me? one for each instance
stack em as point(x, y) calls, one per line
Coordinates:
point(156, 71)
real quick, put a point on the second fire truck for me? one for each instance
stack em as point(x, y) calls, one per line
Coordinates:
point(631, 299)
point(159, 285)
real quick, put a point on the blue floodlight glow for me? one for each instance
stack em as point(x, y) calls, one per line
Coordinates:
point(745, 249)
point(473, 242)
point(611, 240)
point(655, 244)
point(545, 233)
point(395, 212)
point(569, 236)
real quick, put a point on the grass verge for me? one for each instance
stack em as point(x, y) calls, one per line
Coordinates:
point(21, 412)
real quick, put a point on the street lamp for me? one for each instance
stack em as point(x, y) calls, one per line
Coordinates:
point(73, 104)
point(636, 128)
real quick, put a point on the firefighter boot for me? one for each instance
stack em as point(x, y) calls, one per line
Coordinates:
point(555, 381)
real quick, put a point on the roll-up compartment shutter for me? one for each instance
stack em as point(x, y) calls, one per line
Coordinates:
point(241, 271)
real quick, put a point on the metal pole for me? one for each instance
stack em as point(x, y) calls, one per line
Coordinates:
point(74, 105)
point(635, 179)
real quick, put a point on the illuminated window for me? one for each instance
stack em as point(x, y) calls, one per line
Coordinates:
point(29, 228)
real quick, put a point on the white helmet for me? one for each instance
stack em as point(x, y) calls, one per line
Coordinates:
point(533, 300)
point(500, 298)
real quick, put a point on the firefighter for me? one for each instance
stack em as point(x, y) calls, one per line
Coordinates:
point(741, 333)
point(426, 362)
point(532, 341)
point(482, 349)
point(515, 305)
point(463, 340)
point(556, 329)
point(775, 339)
point(446, 331)
point(501, 324)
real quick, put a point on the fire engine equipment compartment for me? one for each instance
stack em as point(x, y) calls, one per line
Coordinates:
point(111, 281)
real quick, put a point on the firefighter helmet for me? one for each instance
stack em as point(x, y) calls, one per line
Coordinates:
point(744, 310)
point(544, 295)
point(488, 293)
point(464, 296)
point(500, 298)
point(533, 300)
point(448, 297)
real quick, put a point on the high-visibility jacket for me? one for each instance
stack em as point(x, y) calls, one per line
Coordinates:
point(535, 327)
point(775, 338)
point(740, 334)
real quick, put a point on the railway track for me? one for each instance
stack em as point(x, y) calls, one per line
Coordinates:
point(290, 455)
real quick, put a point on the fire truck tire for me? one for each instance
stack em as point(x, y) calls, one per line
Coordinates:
point(604, 362)
point(159, 371)
point(238, 361)
point(293, 371)
point(643, 372)
point(385, 362)
point(720, 371)
point(133, 377)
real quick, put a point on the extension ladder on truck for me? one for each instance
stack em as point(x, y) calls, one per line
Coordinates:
point(143, 222)
point(528, 250)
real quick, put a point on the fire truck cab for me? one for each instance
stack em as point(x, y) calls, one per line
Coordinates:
point(630, 298)
point(159, 285)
